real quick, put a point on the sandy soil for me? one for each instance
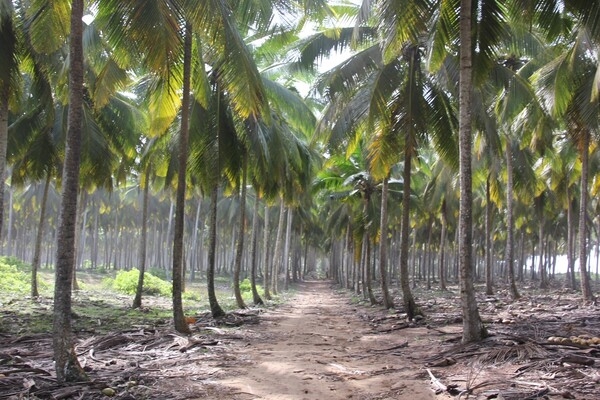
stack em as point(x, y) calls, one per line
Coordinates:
point(318, 347)
point(321, 345)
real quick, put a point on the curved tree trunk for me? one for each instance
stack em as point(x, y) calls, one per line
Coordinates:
point(137, 301)
point(215, 308)
point(473, 329)
point(586, 289)
point(237, 267)
point(35, 265)
point(510, 228)
point(253, 247)
point(66, 364)
point(265, 257)
point(178, 316)
point(388, 301)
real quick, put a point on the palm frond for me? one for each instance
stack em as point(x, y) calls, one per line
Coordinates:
point(289, 104)
point(588, 12)
point(350, 72)
point(201, 89)
point(384, 150)
point(443, 125)
point(110, 80)
point(443, 28)
point(491, 28)
point(325, 43)
point(404, 21)
point(236, 70)
point(48, 24)
point(164, 102)
point(384, 84)
point(147, 28)
point(340, 120)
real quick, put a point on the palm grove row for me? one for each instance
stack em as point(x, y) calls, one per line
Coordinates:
point(454, 134)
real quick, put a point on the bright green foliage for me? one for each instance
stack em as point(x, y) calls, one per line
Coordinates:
point(245, 286)
point(126, 282)
point(16, 277)
point(15, 262)
point(14, 280)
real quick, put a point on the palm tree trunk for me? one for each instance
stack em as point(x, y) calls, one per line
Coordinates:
point(363, 265)
point(348, 255)
point(407, 297)
point(195, 246)
point(278, 247)
point(388, 302)
point(570, 278)
point(489, 277)
point(4, 97)
point(473, 329)
point(427, 250)
point(178, 316)
point(253, 250)
point(510, 228)
point(9, 234)
point(215, 308)
point(35, 265)
point(137, 301)
point(240, 242)
point(79, 227)
point(165, 257)
point(286, 251)
point(442, 268)
point(66, 364)
point(265, 258)
point(368, 272)
point(586, 289)
point(541, 266)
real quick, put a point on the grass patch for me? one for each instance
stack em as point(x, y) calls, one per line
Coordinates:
point(103, 303)
point(126, 282)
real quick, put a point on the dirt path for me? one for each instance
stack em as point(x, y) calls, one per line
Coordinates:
point(318, 347)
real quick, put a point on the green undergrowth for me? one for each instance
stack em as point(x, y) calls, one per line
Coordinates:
point(103, 302)
point(16, 277)
point(126, 282)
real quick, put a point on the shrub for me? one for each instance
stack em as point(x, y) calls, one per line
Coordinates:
point(126, 282)
point(15, 262)
point(12, 279)
point(246, 286)
point(15, 276)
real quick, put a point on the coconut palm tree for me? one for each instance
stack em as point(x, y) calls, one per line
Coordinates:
point(67, 366)
point(567, 85)
point(473, 329)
